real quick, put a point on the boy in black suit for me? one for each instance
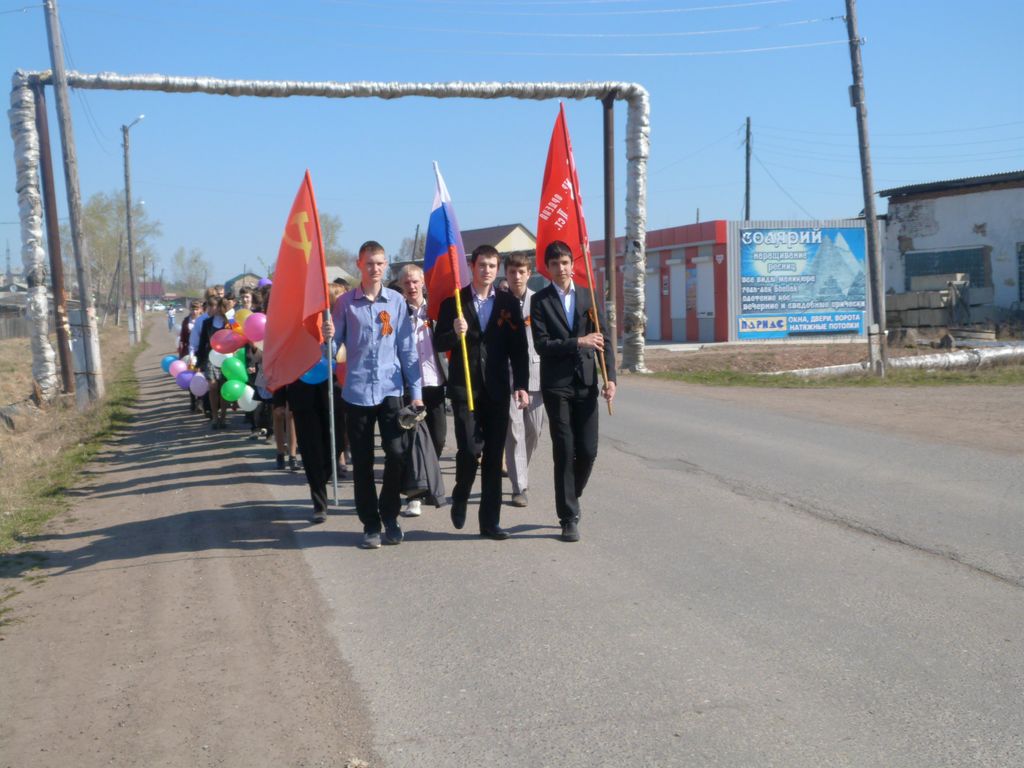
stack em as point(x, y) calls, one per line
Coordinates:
point(564, 327)
point(495, 334)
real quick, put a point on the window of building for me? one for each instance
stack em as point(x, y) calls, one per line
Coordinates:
point(1020, 273)
point(972, 261)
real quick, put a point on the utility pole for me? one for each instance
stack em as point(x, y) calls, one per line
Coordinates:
point(876, 331)
point(134, 335)
point(92, 368)
point(611, 327)
point(60, 312)
point(746, 197)
point(415, 242)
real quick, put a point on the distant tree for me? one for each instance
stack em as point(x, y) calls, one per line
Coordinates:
point(407, 251)
point(105, 229)
point(189, 271)
point(334, 254)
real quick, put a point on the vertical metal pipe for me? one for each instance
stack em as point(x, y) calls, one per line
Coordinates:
point(60, 316)
point(610, 251)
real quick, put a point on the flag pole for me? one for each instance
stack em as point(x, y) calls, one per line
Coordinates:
point(330, 345)
point(452, 253)
point(585, 244)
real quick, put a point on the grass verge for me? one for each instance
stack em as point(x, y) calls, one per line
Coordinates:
point(46, 461)
point(998, 376)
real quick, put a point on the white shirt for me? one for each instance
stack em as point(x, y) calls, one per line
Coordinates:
point(425, 347)
point(568, 302)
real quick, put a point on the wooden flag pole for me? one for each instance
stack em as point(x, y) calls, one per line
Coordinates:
point(585, 244)
point(452, 251)
point(330, 346)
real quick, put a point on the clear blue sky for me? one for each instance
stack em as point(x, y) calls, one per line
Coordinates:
point(942, 77)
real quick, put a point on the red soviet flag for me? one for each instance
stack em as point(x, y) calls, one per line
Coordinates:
point(561, 207)
point(291, 344)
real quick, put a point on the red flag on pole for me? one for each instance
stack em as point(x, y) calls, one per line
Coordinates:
point(291, 345)
point(561, 207)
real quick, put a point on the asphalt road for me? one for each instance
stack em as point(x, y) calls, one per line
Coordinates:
point(751, 589)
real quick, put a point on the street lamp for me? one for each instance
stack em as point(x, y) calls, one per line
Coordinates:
point(134, 334)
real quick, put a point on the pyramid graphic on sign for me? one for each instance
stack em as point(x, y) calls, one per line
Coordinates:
point(837, 271)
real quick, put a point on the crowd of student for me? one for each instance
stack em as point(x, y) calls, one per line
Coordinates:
point(523, 350)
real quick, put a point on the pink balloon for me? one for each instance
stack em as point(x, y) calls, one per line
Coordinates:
point(255, 326)
point(177, 367)
point(227, 341)
point(199, 386)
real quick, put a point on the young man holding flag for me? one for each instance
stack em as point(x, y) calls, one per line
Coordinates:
point(564, 325)
point(373, 323)
point(495, 337)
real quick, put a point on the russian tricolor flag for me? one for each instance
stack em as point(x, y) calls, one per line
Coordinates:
point(444, 259)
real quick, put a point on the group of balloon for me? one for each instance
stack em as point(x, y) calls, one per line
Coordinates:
point(227, 353)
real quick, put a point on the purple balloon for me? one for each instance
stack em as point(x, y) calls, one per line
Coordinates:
point(184, 379)
point(199, 386)
point(264, 281)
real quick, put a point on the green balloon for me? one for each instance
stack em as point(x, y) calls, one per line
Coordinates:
point(234, 370)
point(232, 389)
point(240, 354)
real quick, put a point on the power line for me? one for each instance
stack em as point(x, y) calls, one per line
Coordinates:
point(784, 191)
point(904, 133)
point(917, 145)
point(645, 54)
point(90, 118)
point(591, 35)
point(475, 10)
point(20, 10)
point(695, 152)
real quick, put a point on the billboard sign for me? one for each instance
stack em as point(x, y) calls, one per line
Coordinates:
point(800, 281)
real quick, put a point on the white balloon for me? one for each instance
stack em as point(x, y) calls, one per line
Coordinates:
point(217, 358)
point(245, 400)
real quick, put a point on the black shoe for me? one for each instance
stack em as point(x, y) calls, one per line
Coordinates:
point(293, 465)
point(319, 516)
point(393, 533)
point(280, 461)
point(496, 533)
point(570, 531)
point(458, 513)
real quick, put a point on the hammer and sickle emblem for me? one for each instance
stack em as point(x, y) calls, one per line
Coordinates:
point(300, 220)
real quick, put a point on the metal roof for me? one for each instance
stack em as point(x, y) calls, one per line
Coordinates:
point(471, 238)
point(953, 184)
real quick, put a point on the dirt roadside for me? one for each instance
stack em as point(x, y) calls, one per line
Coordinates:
point(987, 418)
point(976, 416)
point(169, 620)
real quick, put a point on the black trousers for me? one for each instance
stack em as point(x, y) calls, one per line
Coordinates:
point(312, 417)
point(437, 418)
point(572, 420)
point(360, 420)
point(480, 433)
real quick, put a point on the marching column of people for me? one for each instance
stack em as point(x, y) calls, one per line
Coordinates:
point(528, 355)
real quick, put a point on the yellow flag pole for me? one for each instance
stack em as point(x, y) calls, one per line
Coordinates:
point(597, 321)
point(585, 245)
point(452, 254)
